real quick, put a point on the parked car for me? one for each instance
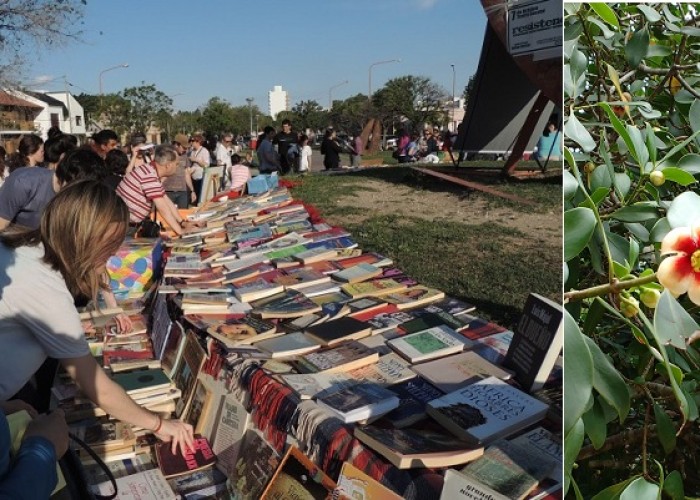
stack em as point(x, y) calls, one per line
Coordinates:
point(390, 142)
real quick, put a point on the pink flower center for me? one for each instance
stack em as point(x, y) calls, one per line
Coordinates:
point(695, 261)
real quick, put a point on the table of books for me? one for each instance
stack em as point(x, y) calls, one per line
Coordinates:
point(308, 366)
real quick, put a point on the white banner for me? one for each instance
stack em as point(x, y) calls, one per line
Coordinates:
point(535, 26)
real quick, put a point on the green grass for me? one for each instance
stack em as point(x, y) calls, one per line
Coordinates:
point(489, 265)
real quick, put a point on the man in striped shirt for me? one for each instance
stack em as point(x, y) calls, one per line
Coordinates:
point(142, 188)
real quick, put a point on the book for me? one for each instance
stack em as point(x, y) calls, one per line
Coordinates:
point(94, 474)
point(207, 483)
point(360, 272)
point(172, 350)
point(432, 343)
point(388, 320)
point(375, 288)
point(187, 371)
point(553, 397)
point(459, 486)
point(365, 305)
point(176, 464)
point(230, 425)
point(429, 317)
point(149, 484)
point(485, 411)
point(412, 448)
point(510, 469)
point(359, 402)
point(540, 440)
point(298, 477)
point(290, 344)
point(494, 347)
point(313, 385)
point(414, 394)
point(315, 255)
point(301, 278)
point(200, 407)
point(537, 342)
point(141, 381)
point(414, 296)
point(290, 304)
point(338, 330)
point(104, 436)
point(478, 328)
point(257, 462)
point(344, 357)
point(246, 330)
point(369, 258)
point(355, 484)
point(256, 289)
point(454, 372)
point(454, 306)
point(17, 423)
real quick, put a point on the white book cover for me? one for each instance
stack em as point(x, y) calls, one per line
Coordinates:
point(390, 369)
point(289, 344)
point(238, 264)
point(453, 372)
point(230, 425)
point(146, 485)
point(311, 385)
point(458, 486)
point(504, 410)
point(428, 344)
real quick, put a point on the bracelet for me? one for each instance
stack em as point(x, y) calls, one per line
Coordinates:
point(160, 424)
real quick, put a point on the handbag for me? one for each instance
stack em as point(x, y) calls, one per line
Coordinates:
point(149, 227)
point(102, 466)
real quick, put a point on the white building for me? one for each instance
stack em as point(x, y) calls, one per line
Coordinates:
point(278, 100)
point(74, 121)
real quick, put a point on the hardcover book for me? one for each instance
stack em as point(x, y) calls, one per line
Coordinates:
point(510, 469)
point(338, 330)
point(150, 484)
point(536, 343)
point(485, 411)
point(414, 296)
point(346, 356)
point(359, 402)
point(411, 448)
point(375, 288)
point(355, 484)
point(414, 394)
point(432, 343)
point(454, 372)
point(298, 477)
point(176, 464)
point(257, 462)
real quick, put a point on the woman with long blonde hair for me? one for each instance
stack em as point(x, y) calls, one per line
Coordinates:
point(41, 272)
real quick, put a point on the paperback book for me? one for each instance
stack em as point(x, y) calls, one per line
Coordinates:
point(388, 370)
point(542, 441)
point(176, 464)
point(414, 394)
point(454, 372)
point(355, 484)
point(359, 402)
point(376, 288)
point(246, 330)
point(230, 425)
point(289, 304)
point(313, 385)
point(413, 297)
point(344, 357)
point(435, 342)
point(338, 330)
point(290, 344)
point(298, 477)
point(256, 464)
point(149, 484)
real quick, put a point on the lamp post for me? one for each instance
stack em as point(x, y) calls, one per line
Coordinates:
point(249, 100)
point(125, 65)
point(454, 127)
point(369, 93)
point(330, 93)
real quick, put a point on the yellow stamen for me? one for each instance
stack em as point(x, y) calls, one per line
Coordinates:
point(695, 261)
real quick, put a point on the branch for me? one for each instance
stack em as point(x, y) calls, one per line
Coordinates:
point(616, 441)
point(687, 86)
point(614, 287)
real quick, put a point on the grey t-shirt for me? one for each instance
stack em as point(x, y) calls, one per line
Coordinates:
point(37, 317)
point(24, 194)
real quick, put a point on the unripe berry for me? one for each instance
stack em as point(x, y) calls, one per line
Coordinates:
point(650, 297)
point(629, 306)
point(657, 178)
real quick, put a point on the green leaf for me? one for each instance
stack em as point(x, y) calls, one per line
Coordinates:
point(579, 224)
point(694, 117)
point(613, 492)
point(623, 183)
point(607, 32)
point(599, 195)
point(659, 51)
point(670, 16)
point(636, 48)
point(579, 64)
point(608, 381)
point(641, 153)
point(690, 163)
point(635, 213)
point(595, 314)
point(578, 372)
point(595, 425)
point(634, 252)
point(620, 129)
point(661, 228)
point(570, 185)
point(684, 210)
point(673, 486)
point(664, 429)
point(650, 139)
point(678, 176)
point(651, 15)
point(575, 131)
point(573, 440)
point(600, 178)
point(606, 14)
point(640, 488)
point(672, 322)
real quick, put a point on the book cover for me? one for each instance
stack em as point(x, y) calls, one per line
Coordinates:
point(246, 330)
point(149, 484)
point(477, 328)
point(298, 477)
point(200, 407)
point(454, 372)
point(414, 394)
point(346, 356)
point(371, 313)
point(176, 464)
point(360, 272)
point(434, 342)
point(172, 350)
point(414, 296)
point(301, 278)
point(313, 385)
point(142, 381)
point(540, 440)
point(290, 344)
point(290, 304)
point(338, 330)
point(386, 321)
point(315, 254)
point(256, 289)
point(487, 410)
point(388, 370)
point(510, 469)
point(256, 464)
point(413, 448)
point(494, 347)
point(427, 318)
point(200, 484)
point(360, 402)
point(454, 306)
point(185, 376)
point(365, 304)
point(227, 436)
point(355, 484)
point(375, 288)
point(369, 257)
point(105, 436)
point(95, 474)
point(537, 342)
point(459, 486)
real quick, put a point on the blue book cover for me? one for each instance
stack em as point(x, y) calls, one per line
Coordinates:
point(414, 394)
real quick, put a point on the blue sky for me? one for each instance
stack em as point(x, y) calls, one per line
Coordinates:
point(238, 49)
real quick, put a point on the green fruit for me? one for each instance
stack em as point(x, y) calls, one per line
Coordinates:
point(629, 306)
point(650, 297)
point(657, 178)
point(589, 167)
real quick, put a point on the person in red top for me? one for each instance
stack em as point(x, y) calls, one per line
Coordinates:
point(142, 188)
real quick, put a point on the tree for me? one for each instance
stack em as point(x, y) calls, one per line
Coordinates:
point(309, 114)
point(632, 149)
point(217, 116)
point(350, 115)
point(468, 89)
point(26, 25)
point(145, 104)
point(411, 98)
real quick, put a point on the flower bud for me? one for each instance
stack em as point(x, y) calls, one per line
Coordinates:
point(629, 306)
point(650, 297)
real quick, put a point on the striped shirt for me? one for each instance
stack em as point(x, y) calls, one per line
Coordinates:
point(239, 176)
point(138, 189)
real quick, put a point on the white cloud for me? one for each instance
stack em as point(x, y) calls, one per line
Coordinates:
point(426, 4)
point(43, 79)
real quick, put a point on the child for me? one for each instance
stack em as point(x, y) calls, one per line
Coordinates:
point(305, 154)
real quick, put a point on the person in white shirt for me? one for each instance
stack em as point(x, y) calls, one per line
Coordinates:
point(223, 158)
point(304, 154)
point(199, 159)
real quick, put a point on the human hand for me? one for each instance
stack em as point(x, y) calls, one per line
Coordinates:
point(88, 327)
point(52, 427)
point(15, 405)
point(124, 324)
point(193, 196)
point(177, 433)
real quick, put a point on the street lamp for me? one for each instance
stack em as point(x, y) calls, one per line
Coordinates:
point(453, 98)
point(330, 93)
point(125, 65)
point(369, 93)
point(249, 100)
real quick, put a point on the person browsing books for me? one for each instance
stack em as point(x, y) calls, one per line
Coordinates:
point(42, 271)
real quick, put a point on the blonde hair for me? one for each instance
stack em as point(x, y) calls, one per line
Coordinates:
point(84, 222)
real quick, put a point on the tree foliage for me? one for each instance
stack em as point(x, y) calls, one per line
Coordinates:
point(410, 98)
point(633, 155)
point(144, 105)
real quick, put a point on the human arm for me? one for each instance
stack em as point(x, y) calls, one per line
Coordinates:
point(109, 396)
point(124, 324)
point(168, 211)
point(190, 186)
point(4, 223)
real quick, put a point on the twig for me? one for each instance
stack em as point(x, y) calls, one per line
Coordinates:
point(615, 441)
point(614, 287)
point(644, 441)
